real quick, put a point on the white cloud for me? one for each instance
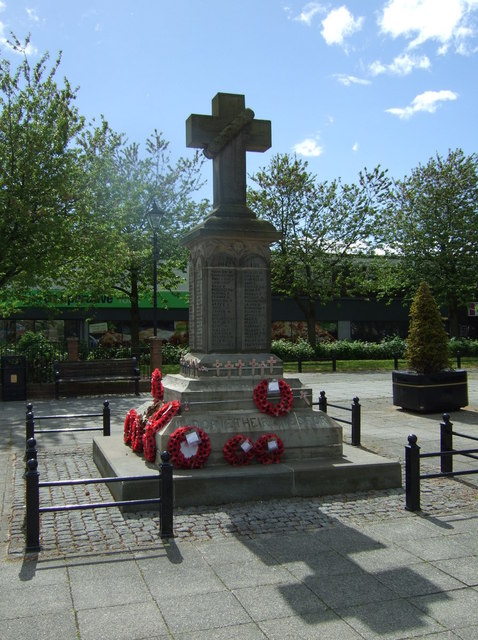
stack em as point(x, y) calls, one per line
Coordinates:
point(309, 148)
point(308, 12)
point(349, 80)
point(32, 14)
point(402, 65)
point(420, 20)
point(339, 24)
point(427, 101)
point(355, 147)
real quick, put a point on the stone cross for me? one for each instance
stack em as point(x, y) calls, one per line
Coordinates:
point(225, 136)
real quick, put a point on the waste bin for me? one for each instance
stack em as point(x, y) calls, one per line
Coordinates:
point(14, 378)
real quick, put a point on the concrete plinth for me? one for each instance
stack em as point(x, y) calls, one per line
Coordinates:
point(315, 460)
point(355, 470)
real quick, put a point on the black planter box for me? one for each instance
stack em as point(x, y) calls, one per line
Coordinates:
point(430, 393)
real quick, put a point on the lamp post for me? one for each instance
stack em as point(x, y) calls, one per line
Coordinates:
point(155, 216)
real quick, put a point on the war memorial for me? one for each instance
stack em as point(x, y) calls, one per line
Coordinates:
point(264, 438)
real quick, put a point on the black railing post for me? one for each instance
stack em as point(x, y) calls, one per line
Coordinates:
point(356, 422)
point(299, 364)
point(395, 361)
point(334, 364)
point(446, 444)
point(412, 474)
point(32, 497)
point(166, 496)
point(106, 418)
point(29, 424)
point(458, 360)
point(31, 449)
point(323, 402)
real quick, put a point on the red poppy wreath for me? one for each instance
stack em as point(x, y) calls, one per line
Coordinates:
point(269, 448)
point(189, 447)
point(128, 425)
point(137, 432)
point(282, 408)
point(157, 389)
point(159, 420)
point(238, 450)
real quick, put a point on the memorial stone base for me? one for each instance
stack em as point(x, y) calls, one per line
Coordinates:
point(218, 398)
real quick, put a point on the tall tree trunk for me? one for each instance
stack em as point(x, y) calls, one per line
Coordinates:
point(308, 309)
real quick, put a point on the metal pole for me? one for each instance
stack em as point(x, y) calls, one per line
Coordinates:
point(166, 495)
point(30, 425)
point(412, 474)
point(323, 402)
point(32, 498)
point(155, 283)
point(356, 422)
point(106, 418)
point(446, 444)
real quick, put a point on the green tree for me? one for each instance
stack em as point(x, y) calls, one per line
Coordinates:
point(38, 174)
point(323, 225)
point(120, 185)
point(430, 232)
point(428, 349)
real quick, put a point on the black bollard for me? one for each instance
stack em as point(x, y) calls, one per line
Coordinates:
point(323, 402)
point(446, 444)
point(106, 418)
point(412, 474)
point(166, 495)
point(356, 420)
point(32, 496)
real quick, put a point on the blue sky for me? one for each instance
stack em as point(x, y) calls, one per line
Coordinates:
point(346, 84)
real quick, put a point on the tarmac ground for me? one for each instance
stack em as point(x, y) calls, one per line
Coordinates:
point(349, 567)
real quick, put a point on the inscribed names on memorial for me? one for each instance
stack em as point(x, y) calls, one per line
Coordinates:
point(222, 310)
point(255, 318)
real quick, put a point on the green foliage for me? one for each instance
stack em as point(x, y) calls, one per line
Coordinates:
point(36, 348)
point(463, 346)
point(340, 350)
point(428, 349)
point(120, 183)
point(322, 225)
point(292, 351)
point(173, 352)
point(430, 232)
point(38, 174)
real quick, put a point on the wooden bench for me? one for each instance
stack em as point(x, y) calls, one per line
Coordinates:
point(114, 370)
point(332, 361)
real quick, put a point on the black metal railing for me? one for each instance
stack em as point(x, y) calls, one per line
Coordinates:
point(446, 453)
point(33, 484)
point(355, 411)
point(30, 430)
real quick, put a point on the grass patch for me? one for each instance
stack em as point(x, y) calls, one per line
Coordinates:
point(343, 366)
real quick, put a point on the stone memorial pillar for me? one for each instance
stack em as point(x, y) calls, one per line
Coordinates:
point(229, 267)
point(229, 304)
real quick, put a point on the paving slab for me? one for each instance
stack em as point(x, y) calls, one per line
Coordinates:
point(350, 566)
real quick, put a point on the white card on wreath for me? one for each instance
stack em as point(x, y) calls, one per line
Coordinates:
point(273, 386)
point(192, 438)
point(272, 445)
point(246, 446)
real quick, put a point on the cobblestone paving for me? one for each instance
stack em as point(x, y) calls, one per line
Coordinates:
point(104, 530)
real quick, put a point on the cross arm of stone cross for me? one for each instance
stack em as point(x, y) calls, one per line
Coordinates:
point(225, 137)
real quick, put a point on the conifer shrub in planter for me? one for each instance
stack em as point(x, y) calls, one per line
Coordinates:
point(430, 385)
